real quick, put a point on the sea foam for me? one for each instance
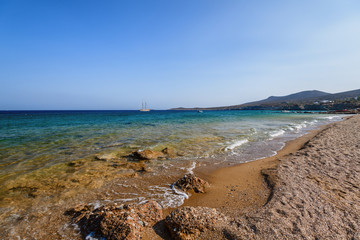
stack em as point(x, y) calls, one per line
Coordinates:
point(236, 144)
point(191, 168)
point(277, 133)
point(170, 196)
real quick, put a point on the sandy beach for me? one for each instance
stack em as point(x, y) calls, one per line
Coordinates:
point(309, 190)
point(184, 120)
point(107, 176)
point(242, 188)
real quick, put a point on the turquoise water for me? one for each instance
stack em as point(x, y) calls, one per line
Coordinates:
point(47, 152)
point(65, 135)
point(49, 161)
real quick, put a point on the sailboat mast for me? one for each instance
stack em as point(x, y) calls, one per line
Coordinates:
point(143, 107)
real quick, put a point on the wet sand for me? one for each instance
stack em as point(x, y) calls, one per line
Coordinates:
point(309, 190)
point(242, 188)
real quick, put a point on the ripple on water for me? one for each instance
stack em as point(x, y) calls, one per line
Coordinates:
point(53, 163)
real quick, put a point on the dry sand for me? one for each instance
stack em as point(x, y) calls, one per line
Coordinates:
point(309, 190)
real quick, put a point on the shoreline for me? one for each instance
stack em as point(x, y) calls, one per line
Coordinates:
point(237, 191)
point(309, 190)
point(244, 178)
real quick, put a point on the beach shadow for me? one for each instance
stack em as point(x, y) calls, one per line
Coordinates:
point(161, 230)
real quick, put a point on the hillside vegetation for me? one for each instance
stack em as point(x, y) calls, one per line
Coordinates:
point(306, 100)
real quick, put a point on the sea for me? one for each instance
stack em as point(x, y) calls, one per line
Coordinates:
point(51, 160)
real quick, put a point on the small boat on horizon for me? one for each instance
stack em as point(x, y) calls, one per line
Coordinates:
point(143, 107)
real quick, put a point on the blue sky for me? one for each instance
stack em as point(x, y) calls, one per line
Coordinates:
point(114, 54)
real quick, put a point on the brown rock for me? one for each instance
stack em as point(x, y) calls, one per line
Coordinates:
point(169, 152)
point(149, 213)
point(79, 210)
point(191, 182)
point(76, 163)
point(116, 222)
point(190, 222)
point(106, 157)
point(146, 155)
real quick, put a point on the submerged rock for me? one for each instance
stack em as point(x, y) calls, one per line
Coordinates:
point(106, 157)
point(190, 222)
point(191, 182)
point(25, 191)
point(169, 152)
point(116, 222)
point(146, 155)
point(76, 163)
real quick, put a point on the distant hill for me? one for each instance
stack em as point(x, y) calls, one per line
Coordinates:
point(296, 97)
point(342, 95)
point(299, 100)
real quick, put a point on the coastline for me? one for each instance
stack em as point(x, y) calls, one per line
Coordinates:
point(245, 179)
point(243, 191)
point(309, 190)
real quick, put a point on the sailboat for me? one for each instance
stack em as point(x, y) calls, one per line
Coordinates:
point(143, 108)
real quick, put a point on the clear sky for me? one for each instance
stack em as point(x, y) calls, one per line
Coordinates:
point(113, 54)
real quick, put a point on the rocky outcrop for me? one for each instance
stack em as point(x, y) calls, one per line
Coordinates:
point(191, 182)
point(148, 154)
point(190, 222)
point(116, 221)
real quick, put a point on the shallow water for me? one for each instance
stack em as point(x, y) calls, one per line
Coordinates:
point(48, 158)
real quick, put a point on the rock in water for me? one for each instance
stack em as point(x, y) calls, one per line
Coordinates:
point(189, 222)
point(116, 222)
point(146, 155)
point(169, 152)
point(106, 157)
point(191, 182)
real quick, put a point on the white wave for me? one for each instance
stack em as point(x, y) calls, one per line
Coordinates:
point(333, 118)
point(236, 144)
point(170, 195)
point(329, 117)
point(313, 122)
point(124, 200)
point(291, 128)
point(179, 192)
point(277, 133)
point(191, 169)
point(301, 125)
point(125, 193)
point(304, 124)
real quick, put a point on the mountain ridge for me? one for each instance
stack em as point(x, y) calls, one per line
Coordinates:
point(275, 102)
